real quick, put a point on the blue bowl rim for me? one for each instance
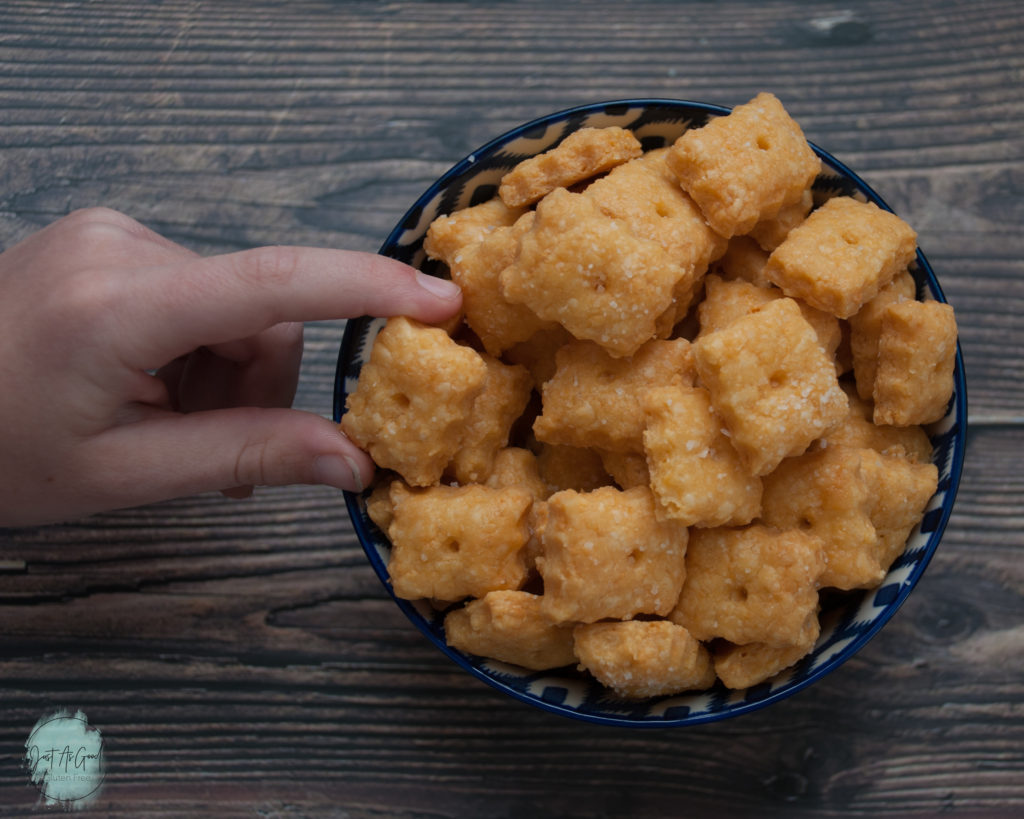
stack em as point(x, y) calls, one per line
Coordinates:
point(956, 467)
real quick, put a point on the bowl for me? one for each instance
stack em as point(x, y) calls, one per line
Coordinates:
point(848, 620)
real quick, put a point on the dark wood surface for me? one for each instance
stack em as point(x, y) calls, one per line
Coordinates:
point(241, 658)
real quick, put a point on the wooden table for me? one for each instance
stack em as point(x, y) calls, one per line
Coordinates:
point(240, 658)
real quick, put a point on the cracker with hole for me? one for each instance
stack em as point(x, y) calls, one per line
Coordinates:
point(754, 584)
point(744, 167)
point(725, 301)
point(842, 255)
point(606, 555)
point(771, 382)
point(592, 274)
point(827, 493)
point(595, 399)
point(454, 542)
point(696, 474)
point(413, 400)
point(645, 195)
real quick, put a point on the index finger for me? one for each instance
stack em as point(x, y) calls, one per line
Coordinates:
point(222, 298)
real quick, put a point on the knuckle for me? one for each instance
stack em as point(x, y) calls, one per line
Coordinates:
point(273, 266)
point(251, 466)
point(98, 235)
point(85, 299)
point(99, 223)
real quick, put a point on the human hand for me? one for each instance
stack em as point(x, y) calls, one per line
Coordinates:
point(133, 370)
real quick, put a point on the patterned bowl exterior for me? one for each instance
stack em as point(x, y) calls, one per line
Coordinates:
point(849, 620)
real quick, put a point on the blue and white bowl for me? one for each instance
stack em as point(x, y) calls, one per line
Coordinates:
point(848, 620)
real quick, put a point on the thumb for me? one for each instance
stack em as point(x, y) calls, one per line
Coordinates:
point(171, 455)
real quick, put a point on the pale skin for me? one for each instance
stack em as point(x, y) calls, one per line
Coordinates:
point(133, 370)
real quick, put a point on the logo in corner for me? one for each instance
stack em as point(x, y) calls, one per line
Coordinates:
point(64, 757)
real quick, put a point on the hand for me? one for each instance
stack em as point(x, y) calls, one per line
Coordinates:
point(133, 370)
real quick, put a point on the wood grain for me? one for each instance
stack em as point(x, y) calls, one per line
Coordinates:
point(242, 658)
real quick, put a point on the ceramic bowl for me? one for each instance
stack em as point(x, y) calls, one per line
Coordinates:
point(849, 620)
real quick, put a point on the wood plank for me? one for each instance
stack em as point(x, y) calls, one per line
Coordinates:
point(309, 672)
point(241, 657)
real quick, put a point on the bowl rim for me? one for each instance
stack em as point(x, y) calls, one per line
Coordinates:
point(958, 453)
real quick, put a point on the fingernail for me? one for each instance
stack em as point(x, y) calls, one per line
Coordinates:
point(442, 288)
point(338, 471)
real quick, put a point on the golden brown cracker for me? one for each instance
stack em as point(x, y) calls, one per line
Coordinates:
point(449, 543)
point(477, 269)
point(744, 167)
point(866, 327)
point(594, 399)
point(916, 360)
point(502, 400)
point(607, 555)
point(449, 234)
point(842, 255)
point(696, 474)
point(771, 382)
point(591, 274)
point(827, 493)
point(509, 626)
point(413, 399)
point(751, 585)
point(639, 659)
point(581, 155)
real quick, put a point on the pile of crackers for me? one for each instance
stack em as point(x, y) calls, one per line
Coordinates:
point(680, 401)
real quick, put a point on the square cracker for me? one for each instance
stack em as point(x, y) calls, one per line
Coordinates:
point(453, 542)
point(916, 359)
point(581, 155)
point(645, 195)
point(477, 268)
point(771, 382)
point(447, 235)
point(744, 259)
point(744, 167)
point(638, 659)
point(595, 400)
point(901, 489)
point(751, 585)
point(413, 399)
point(504, 396)
point(842, 255)
point(742, 666)
point(726, 300)
point(771, 232)
point(606, 555)
point(696, 474)
point(827, 493)
point(859, 431)
point(509, 626)
point(592, 274)
point(866, 327)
